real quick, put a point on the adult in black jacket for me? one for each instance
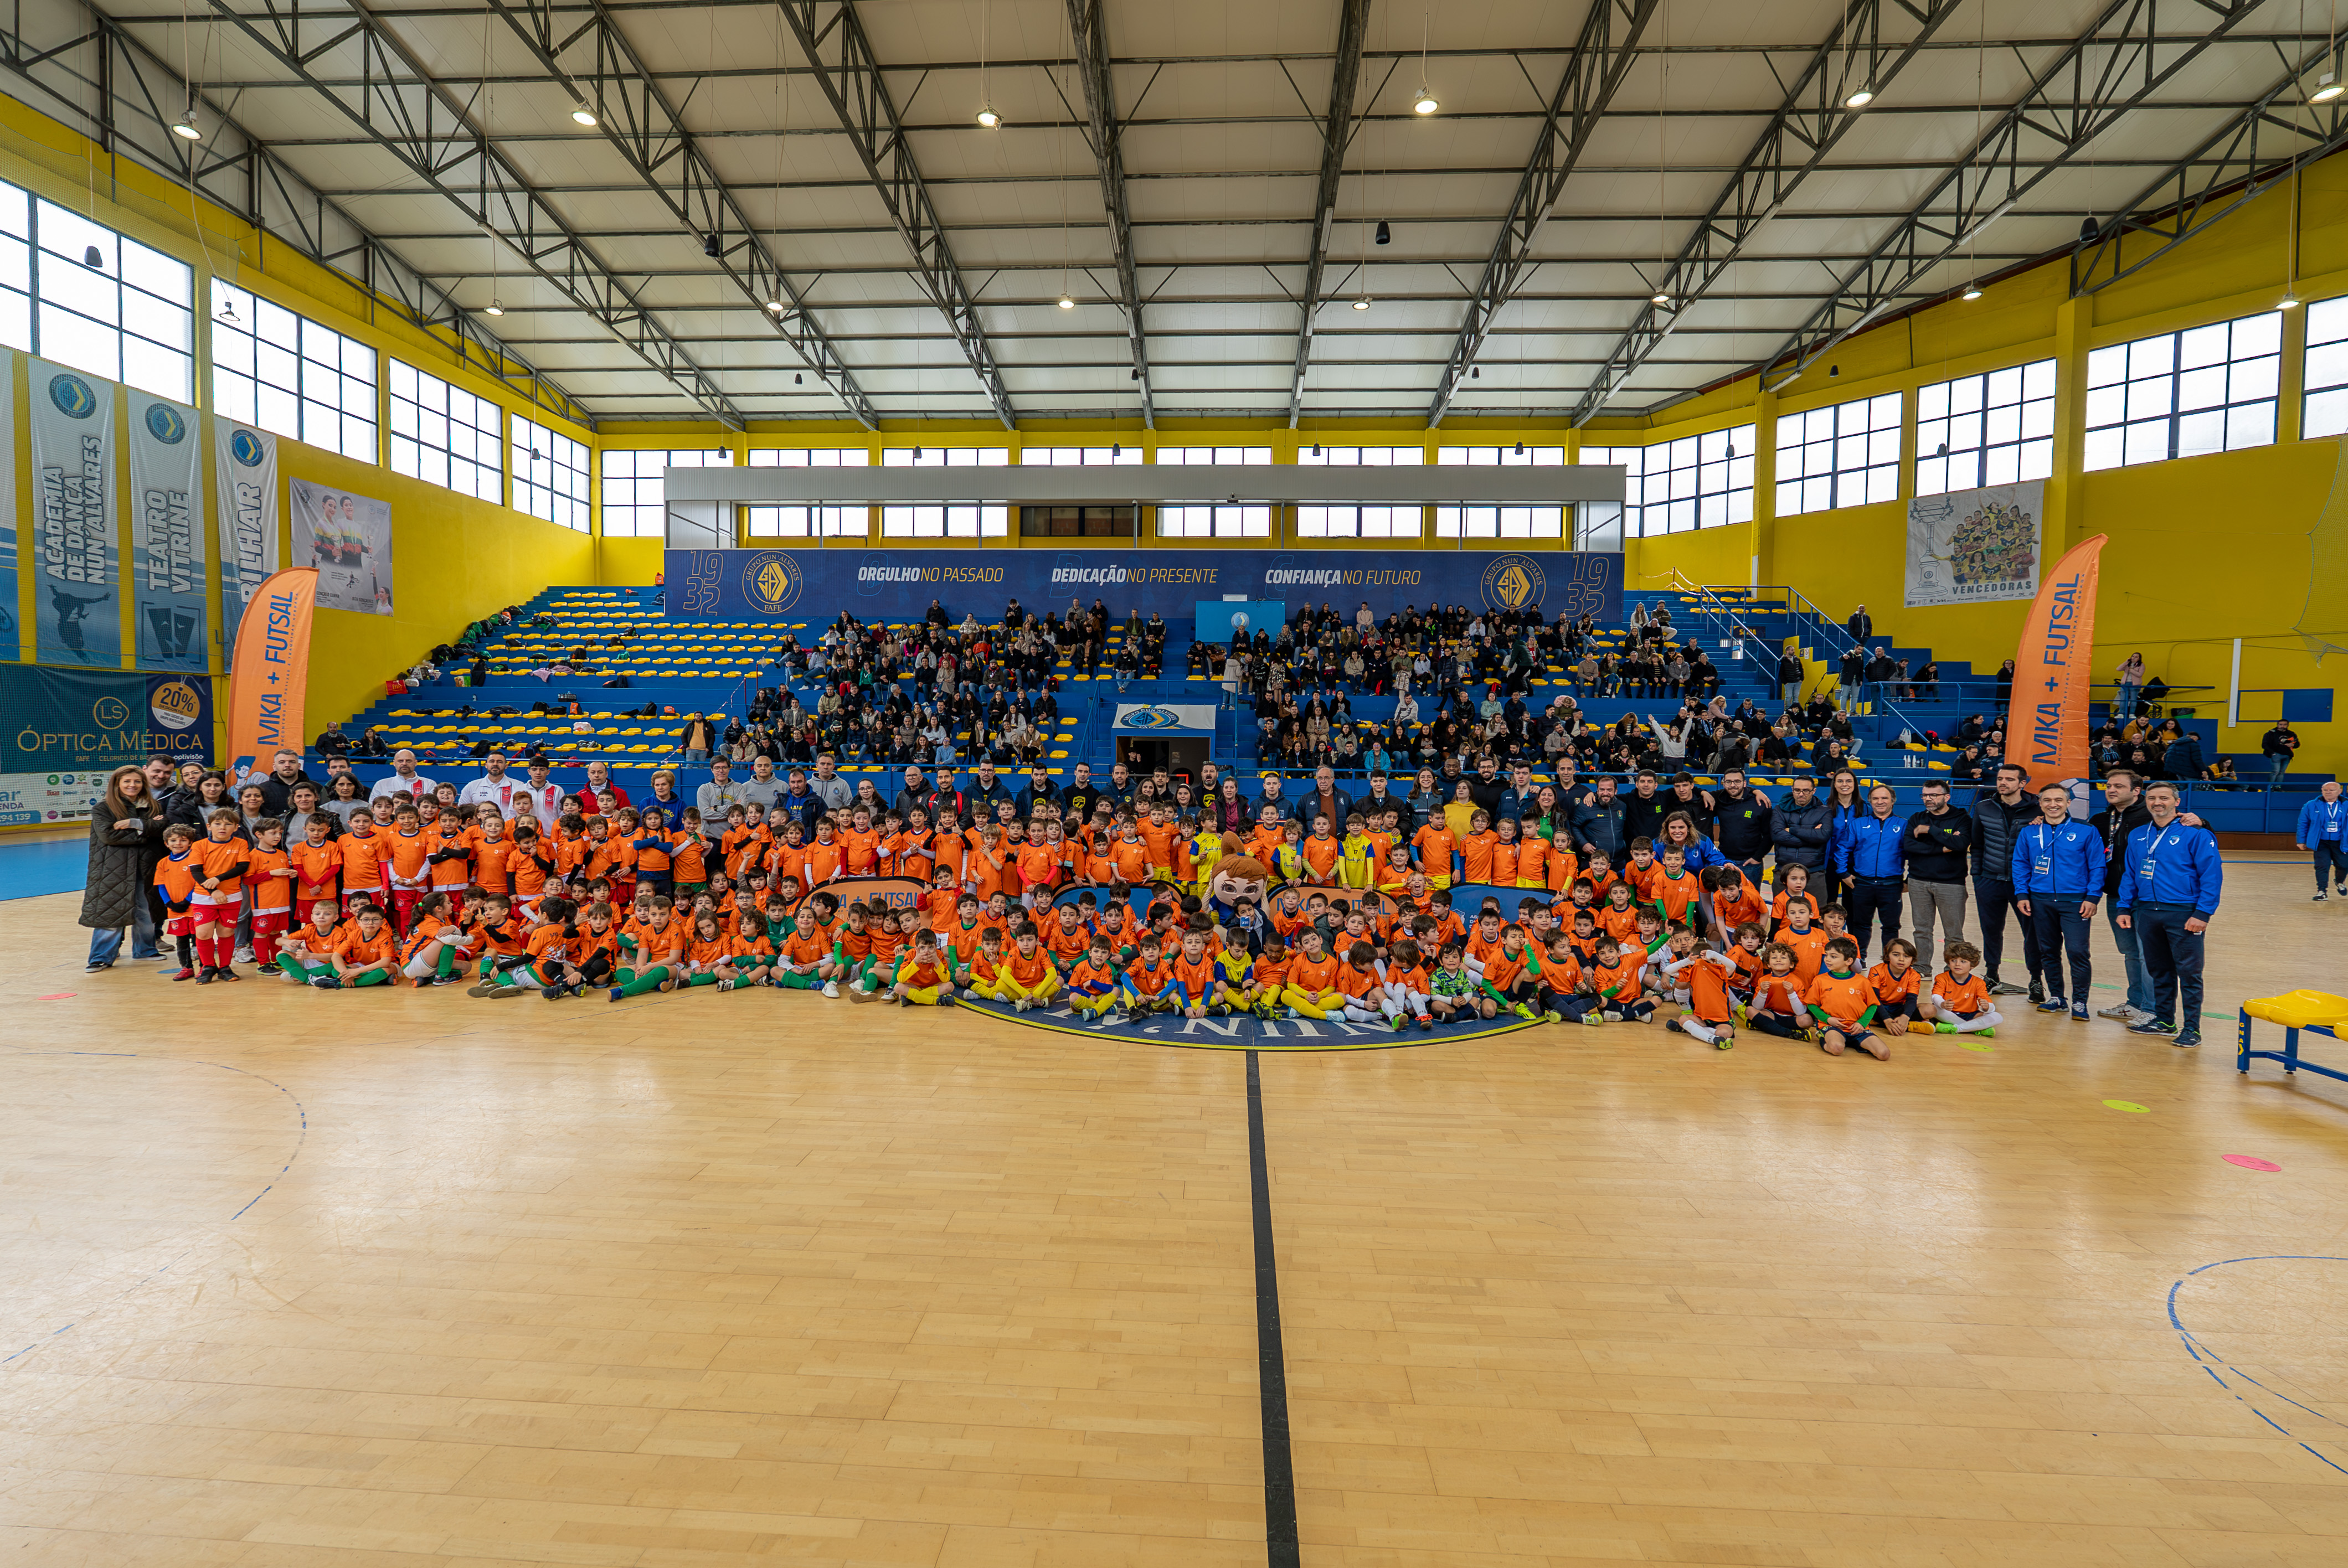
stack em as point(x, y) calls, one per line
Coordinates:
point(277, 786)
point(1699, 804)
point(1603, 822)
point(1999, 817)
point(1790, 676)
point(126, 840)
point(1801, 830)
point(1746, 822)
point(1645, 807)
point(1939, 842)
point(1861, 625)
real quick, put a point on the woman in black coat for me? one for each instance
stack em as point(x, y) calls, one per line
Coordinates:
point(126, 840)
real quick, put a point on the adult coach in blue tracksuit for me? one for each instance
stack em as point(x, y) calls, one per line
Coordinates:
point(2168, 893)
point(2324, 828)
point(2058, 878)
point(1870, 851)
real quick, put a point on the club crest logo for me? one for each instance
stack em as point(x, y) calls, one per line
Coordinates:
point(1514, 582)
point(248, 449)
point(164, 424)
point(73, 396)
point(772, 580)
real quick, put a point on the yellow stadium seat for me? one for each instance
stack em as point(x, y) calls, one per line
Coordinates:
point(2300, 1009)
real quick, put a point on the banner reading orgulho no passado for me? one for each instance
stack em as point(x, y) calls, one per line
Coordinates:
point(272, 672)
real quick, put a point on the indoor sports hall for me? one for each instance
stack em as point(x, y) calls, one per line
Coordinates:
point(1059, 784)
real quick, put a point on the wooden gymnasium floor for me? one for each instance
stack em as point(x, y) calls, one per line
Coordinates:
point(411, 1279)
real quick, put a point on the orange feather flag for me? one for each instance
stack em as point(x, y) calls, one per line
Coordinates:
point(2047, 721)
point(269, 681)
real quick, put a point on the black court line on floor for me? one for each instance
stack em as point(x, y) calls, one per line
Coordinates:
point(1282, 1548)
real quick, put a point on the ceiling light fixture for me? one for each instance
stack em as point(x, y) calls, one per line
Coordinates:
point(775, 306)
point(1425, 103)
point(988, 118)
point(1386, 234)
point(186, 127)
point(2289, 302)
point(584, 115)
point(710, 247)
point(1362, 304)
point(1520, 447)
point(1660, 300)
point(1067, 303)
point(1860, 99)
point(1972, 291)
point(2327, 86)
point(496, 309)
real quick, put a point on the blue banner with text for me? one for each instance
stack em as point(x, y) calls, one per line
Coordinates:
point(812, 587)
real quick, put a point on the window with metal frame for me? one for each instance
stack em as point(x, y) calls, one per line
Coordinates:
point(1362, 522)
point(75, 292)
point(1211, 456)
point(2326, 401)
point(2184, 394)
point(288, 373)
point(1246, 521)
point(1114, 455)
point(1995, 428)
point(549, 475)
point(1517, 456)
point(633, 497)
point(1844, 454)
point(444, 435)
point(1677, 487)
point(808, 522)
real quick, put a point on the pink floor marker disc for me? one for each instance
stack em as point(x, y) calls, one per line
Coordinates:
point(2251, 1162)
point(60, 996)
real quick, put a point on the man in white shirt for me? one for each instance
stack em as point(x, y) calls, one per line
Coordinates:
point(403, 781)
point(544, 795)
point(493, 787)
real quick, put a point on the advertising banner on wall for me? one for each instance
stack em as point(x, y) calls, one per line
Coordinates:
point(12, 635)
point(813, 585)
point(244, 508)
point(77, 617)
point(67, 729)
point(347, 538)
point(170, 564)
point(1974, 547)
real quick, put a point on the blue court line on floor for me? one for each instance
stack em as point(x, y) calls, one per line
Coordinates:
point(301, 1138)
point(30, 869)
point(2196, 1348)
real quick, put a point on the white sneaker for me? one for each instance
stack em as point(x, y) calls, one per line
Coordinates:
point(831, 990)
point(2120, 1010)
point(2138, 1015)
point(244, 956)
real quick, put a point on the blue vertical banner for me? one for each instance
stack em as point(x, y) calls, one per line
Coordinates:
point(76, 614)
point(170, 564)
point(244, 509)
point(12, 634)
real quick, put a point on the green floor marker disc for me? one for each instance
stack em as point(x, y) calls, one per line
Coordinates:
point(2128, 1105)
point(1982, 1046)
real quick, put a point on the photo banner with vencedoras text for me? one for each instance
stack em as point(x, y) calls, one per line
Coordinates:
point(346, 538)
point(77, 617)
point(171, 557)
point(1974, 547)
point(245, 510)
point(812, 587)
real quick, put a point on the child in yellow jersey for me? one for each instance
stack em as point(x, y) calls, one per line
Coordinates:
point(1356, 859)
point(986, 970)
point(926, 977)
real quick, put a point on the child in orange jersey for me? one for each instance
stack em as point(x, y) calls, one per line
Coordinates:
point(1094, 979)
point(1711, 1013)
point(175, 884)
point(1037, 864)
point(1363, 987)
point(1195, 977)
point(1777, 1006)
point(1843, 1004)
point(885, 939)
point(709, 954)
point(1807, 942)
point(1792, 887)
point(984, 980)
point(1028, 979)
point(1312, 988)
point(307, 953)
point(801, 956)
point(317, 864)
point(1613, 991)
point(1065, 938)
point(1895, 983)
point(1435, 846)
point(1729, 901)
point(1508, 855)
point(434, 945)
point(1476, 848)
point(269, 876)
point(1958, 1002)
point(925, 978)
point(1408, 986)
point(1618, 917)
point(364, 953)
point(222, 860)
point(1149, 981)
point(406, 864)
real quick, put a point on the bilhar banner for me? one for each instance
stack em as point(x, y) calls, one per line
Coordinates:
point(169, 564)
point(78, 618)
point(347, 538)
point(12, 635)
point(2046, 726)
point(244, 502)
point(1973, 546)
point(266, 695)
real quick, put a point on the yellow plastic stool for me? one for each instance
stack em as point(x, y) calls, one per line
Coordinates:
point(2300, 1010)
